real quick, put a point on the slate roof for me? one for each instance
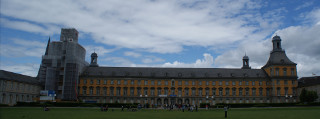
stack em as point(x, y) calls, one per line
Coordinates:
point(309, 81)
point(6, 75)
point(158, 72)
point(278, 58)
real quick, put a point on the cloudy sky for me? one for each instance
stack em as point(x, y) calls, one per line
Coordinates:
point(163, 33)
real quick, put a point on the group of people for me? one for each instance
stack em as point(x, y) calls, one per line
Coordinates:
point(45, 108)
point(181, 107)
point(104, 108)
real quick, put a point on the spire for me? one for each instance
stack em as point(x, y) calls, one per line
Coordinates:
point(278, 55)
point(47, 47)
point(245, 61)
point(94, 58)
point(276, 40)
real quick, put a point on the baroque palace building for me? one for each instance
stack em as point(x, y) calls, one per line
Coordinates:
point(18, 88)
point(74, 79)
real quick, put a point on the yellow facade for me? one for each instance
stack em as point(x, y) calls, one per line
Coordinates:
point(207, 85)
point(276, 82)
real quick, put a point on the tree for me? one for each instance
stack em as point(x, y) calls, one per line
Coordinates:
point(312, 96)
point(308, 96)
point(303, 95)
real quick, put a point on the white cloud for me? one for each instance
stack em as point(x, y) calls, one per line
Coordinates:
point(166, 27)
point(206, 62)
point(29, 27)
point(25, 69)
point(100, 50)
point(315, 16)
point(152, 59)
point(119, 61)
point(302, 46)
point(132, 54)
point(22, 48)
point(151, 26)
point(258, 52)
point(306, 4)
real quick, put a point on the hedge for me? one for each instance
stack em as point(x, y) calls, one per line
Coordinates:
point(4, 105)
point(118, 105)
point(73, 104)
point(203, 105)
point(241, 105)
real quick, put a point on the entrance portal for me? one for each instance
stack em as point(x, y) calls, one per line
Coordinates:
point(173, 101)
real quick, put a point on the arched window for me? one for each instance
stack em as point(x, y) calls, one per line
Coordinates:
point(220, 91)
point(253, 92)
point(159, 91)
point(172, 83)
point(98, 90)
point(284, 71)
point(104, 90)
point(131, 91)
point(200, 91)
point(91, 90)
point(240, 91)
point(247, 91)
point(213, 91)
point(292, 71)
point(84, 90)
point(227, 91)
point(111, 91)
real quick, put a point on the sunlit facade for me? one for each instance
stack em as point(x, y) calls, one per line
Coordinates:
point(276, 82)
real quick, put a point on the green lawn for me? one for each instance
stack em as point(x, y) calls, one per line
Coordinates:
point(95, 113)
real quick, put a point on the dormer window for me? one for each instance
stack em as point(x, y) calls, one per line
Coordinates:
point(153, 74)
point(127, 73)
point(245, 75)
point(113, 73)
point(284, 71)
point(292, 71)
point(277, 71)
point(206, 74)
point(166, 74)
point(192, 75)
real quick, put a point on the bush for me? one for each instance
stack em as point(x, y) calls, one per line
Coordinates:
point(28, 104)
point(4, 105)
point(282, 104)
point(203, 105)
point(243, 105)
point(308, 96)
point(73, 104)
point(236, 105)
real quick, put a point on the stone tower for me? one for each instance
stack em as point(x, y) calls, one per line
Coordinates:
point(94, 60)
point(69, 34)
point(282, 72)
point(61, 65)
point(245, 61)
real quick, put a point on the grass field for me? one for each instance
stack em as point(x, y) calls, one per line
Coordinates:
point(95, 113)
